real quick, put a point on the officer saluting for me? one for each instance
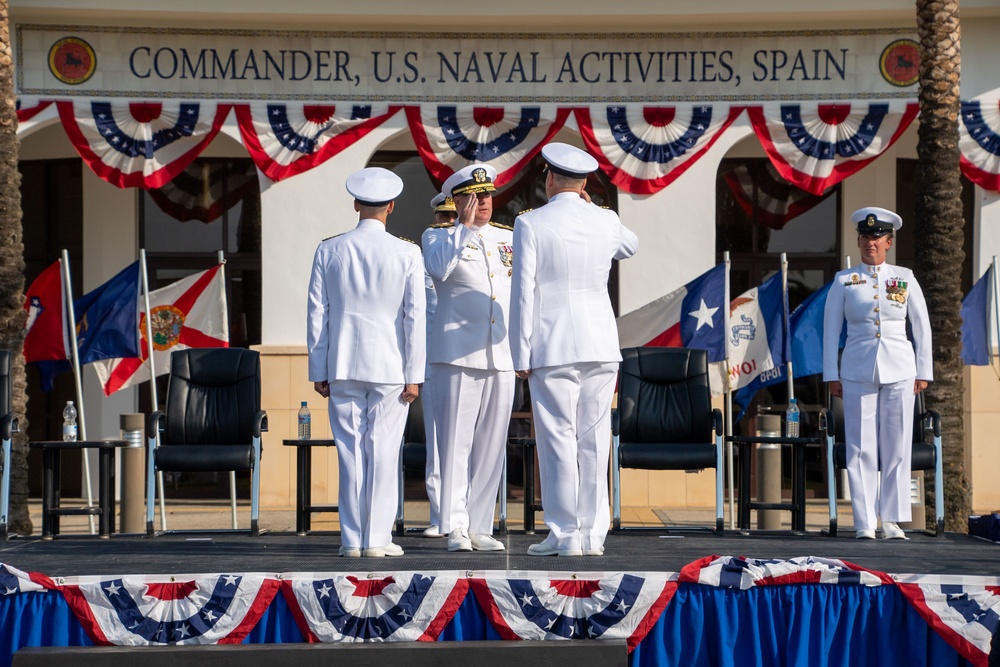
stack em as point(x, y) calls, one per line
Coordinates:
point(472, 376)
point(366, 338)
point(564, 340)
point(879, 372)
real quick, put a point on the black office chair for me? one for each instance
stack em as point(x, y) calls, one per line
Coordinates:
point(212, 421)
point(665, 419)
point(8, 426)
point(926, 454)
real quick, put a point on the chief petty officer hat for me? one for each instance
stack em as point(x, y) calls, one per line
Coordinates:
point(568, 160)
point(442, 203)
point(471, 180)
point(374, 186)
point(875, 221)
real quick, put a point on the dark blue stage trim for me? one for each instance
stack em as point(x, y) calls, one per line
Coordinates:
point(808, 624)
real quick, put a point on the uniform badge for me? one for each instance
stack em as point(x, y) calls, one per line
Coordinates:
point(896, 290)
point(855, 279)
point(472, 246)
point(479, 175)
point(506, 254)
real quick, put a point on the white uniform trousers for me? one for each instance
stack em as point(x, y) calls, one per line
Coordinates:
point(472, 414)
point(432, 469)
point(878, 426)
point(572, 413)
point(367, 421)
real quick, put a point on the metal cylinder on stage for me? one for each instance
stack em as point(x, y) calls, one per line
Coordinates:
point(918, 508)
point(769, 472)
point(133, 474)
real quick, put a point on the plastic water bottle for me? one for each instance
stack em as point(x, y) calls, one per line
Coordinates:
point(305, 422)
point(69, 422)
point(792, 419)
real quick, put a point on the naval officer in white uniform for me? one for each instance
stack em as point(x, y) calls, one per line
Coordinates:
point(366, 338)
point(444, 215)
point(565, 342)
point(472, 375)
point(879, 372)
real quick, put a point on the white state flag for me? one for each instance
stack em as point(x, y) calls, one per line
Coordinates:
point(752, 346)
point(188, 313)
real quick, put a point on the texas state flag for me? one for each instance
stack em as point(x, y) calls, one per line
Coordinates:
point(691, 316)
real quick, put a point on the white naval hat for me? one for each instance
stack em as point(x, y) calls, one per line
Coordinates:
point(470, 180)
point(374, 186)
point(875, 221)
point(568, 160)
point(442, 203)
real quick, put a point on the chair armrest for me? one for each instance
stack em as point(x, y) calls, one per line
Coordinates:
point(717, 421)
point(259, 423)
point(616, 421)
point(935, 418)
point(826, 417)
point(8, 425)
point(155, 423)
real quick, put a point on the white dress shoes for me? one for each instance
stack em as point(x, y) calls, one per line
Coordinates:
point(865, 534)
point(599, 551)
point(546, 549)
point(390, 549)
point(458, 540)
point(433, 531)
point(486, 543)
point(892, 531)
point(350, 552)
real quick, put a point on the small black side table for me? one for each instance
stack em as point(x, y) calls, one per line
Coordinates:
point(51, 508)
point(528, 446)
point(304, 508)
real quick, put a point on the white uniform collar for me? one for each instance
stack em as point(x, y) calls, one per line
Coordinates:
point(370, 222)
point(564, 195)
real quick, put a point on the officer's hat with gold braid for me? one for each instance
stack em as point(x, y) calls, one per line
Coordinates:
point(442, 203)
point(874, 221)
point(471, 180)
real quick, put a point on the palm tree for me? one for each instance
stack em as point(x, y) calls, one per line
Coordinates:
point(939, 231)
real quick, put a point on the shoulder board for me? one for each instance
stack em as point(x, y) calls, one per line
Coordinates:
point(527, 210)
point(403, 238)
point(442, 225)
point(606, 207)
point(497, 224)
point(332, 237)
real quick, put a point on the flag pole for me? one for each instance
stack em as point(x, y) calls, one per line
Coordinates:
point(785, 325)
point(232, 473)
point(75, 357)
point(729, 399)
point(152, 375)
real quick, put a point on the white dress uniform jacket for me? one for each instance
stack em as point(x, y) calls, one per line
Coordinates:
point(876, 303)
point(366, 308)
point(560, 311)
point(471, 269)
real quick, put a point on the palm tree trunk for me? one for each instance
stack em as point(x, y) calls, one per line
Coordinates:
point(939, 233)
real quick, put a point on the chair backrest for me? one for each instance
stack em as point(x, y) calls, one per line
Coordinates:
point(664, 395)
point(6, 386)
point(212, 396)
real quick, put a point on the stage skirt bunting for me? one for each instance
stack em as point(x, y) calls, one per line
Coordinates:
point(815, 145)
point(285, 139)
point(643, 149)
point(720, 610)
point(449, 137)
point(140, 144)
point(979, 142)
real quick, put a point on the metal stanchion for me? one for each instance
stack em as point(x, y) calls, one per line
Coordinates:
point(769, 472)
point(918, 519)
point(133, 474)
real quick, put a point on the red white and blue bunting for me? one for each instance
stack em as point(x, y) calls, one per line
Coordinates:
point(288, 139)
point(815, 145)
point(405, 606)
point(645, 148)
point(29, 108)
point(140, 144)
point(745, 573)
point(760, 190)
point(979, 142)
point(614, 606)
point(449, 137)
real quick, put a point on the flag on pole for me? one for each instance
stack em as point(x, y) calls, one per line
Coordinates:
point(756, 334)
point(690, 316)
point(107, 318)
point(976, 322)
point(188, 313)
point(45, 330)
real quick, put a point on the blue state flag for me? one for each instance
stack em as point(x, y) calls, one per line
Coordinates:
point(976, 322)
point(107, 318)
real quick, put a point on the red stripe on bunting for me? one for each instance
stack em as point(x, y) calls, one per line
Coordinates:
point(268, 590)
point(984, 179)
point(135, 179)
point(26, 114)
point(813, 184)
point(276, 171)
point(914, 594)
